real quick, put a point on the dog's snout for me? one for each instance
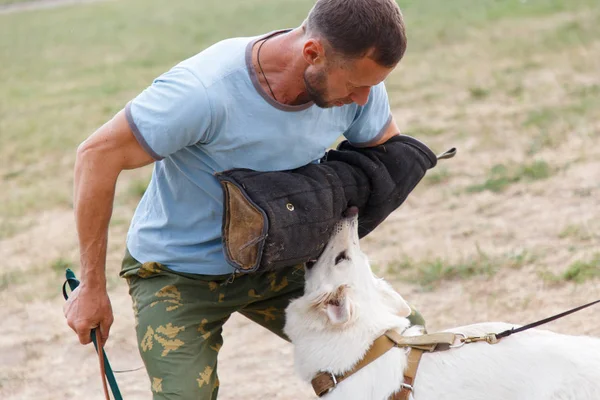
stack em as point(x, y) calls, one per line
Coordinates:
point(351, 212)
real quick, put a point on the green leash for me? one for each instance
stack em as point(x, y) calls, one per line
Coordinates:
point(73, 283)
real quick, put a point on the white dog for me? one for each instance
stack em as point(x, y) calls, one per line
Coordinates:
point(345, 308)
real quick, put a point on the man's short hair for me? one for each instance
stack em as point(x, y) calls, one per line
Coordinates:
point(353, 27)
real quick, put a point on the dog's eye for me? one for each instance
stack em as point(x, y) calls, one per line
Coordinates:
point(310, 264)
point(341, 257)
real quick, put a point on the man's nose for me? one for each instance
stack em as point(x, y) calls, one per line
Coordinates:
point(360, 95)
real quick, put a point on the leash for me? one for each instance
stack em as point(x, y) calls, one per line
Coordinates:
point(544, 321)
point(105, 369)
point(493, 338)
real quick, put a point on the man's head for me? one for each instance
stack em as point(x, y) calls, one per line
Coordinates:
point(350, 46)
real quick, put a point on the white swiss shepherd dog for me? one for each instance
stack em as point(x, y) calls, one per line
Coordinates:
point(345, 308)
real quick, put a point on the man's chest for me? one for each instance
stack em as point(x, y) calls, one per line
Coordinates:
point(286, 141)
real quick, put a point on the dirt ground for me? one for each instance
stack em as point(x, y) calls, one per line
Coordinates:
point(555, 220)
point(41, 358)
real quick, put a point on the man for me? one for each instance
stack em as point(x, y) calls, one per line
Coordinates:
point(274, 102)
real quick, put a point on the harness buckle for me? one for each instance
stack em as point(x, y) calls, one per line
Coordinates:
point(406, 386)
point(335, 382)
point(489, 338)
point(461, 341)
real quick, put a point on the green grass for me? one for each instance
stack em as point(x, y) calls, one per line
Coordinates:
point(60, 265)
point(436, 21)
point(581, 271)
point(581, 100)
point(437, 176)
point(478, 93)
point(65, 71)
point(11, 278)
point(500, 176)
point(7, 2)
point(577, 232)
point(578, 272)
point(520, 258)
point(431, 273)
point(571, 33)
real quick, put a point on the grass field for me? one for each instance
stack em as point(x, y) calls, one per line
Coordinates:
point(507, 229)
point(69, 69)
point(6, 2)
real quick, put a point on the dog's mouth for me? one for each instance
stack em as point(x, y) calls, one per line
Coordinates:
point(348, 216)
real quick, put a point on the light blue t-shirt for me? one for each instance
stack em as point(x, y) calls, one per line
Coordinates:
point(209, 114)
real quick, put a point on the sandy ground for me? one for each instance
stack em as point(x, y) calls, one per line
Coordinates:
point(41, 358)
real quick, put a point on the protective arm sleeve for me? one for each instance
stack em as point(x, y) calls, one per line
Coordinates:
point(274, 220)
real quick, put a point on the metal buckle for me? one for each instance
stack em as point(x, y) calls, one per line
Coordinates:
point(335, 382)
point(406, 386)
point(489, 338)
point(461, 341)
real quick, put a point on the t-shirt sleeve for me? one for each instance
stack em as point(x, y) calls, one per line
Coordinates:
point(371, 120)
point(172, 113)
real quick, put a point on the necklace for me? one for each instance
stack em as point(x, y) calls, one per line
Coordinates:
point(261, 68)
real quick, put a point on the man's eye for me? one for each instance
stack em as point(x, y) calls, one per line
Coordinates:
point(341, 257)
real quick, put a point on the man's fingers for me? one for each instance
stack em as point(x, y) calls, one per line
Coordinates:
point(84, 335)
point(86, 310)
point(105, 329)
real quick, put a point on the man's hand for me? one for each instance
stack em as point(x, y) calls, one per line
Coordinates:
point(86, 309)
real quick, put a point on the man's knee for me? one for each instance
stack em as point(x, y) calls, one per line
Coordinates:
point(187, 372)
point(179, 337)
point(186, 383)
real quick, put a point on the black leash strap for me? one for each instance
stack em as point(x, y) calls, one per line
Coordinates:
point(543, 321)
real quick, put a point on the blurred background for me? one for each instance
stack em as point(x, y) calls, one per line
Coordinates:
point(508, 230)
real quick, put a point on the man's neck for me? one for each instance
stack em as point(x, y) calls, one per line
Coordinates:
point(283, 67)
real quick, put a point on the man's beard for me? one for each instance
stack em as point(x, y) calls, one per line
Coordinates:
point(316, 88)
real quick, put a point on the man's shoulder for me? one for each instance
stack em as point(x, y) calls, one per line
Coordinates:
point(218, 61)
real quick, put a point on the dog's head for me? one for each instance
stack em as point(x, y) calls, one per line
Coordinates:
point(340, 286)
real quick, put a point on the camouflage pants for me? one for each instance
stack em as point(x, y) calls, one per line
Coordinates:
point(179, 320)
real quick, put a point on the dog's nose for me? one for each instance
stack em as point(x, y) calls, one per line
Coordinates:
point(351, 212)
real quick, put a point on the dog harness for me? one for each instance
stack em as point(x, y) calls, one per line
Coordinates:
point(325, 382)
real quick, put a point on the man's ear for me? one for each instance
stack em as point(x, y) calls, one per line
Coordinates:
point(339, 306)
point(313, 51)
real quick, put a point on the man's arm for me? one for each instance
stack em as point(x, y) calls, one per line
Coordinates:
point(391, 130)
point(373, 123)
point(100, 159)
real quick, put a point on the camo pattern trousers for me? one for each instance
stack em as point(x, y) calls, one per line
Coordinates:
point(179, 319)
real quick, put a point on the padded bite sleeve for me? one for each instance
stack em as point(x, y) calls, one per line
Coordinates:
point(279, 219)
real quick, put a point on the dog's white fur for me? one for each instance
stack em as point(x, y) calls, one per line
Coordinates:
point(345, 308)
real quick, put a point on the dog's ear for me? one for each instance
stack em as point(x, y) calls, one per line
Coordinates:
point(339, 306)
point(393, 298)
